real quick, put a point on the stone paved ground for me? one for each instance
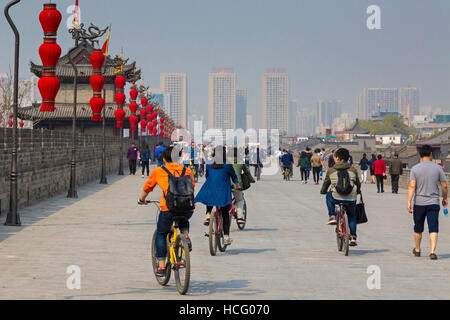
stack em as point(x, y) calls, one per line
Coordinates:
point(286, 252)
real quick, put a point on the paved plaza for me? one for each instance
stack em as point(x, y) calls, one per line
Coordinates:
point(286, 251)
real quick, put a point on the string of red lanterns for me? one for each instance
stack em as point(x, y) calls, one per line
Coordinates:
point(50, 52)
point(97, 81)
point(133, 108)
point(120, 98)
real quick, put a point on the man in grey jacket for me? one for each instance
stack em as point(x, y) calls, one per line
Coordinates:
point(395, 170)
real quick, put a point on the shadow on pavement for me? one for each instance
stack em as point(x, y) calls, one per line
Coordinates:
point(363, 252)
point(47, 207)
point(260, 229)
point(243, 251)
point(235, 287)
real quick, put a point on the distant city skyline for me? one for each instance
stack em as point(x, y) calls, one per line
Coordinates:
point(324, 45)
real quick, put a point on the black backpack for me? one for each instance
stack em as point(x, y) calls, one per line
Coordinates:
point(180, 194)
point(344, 185)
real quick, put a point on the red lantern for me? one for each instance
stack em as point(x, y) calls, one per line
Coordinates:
point(143, 113)
point(155, 131)
point(21, 124)
point(49, 52)
point(97, 104)
point(149, 117)
point(144, 102)
point(97, 59)
point(10, 123)
point(97, 82)
point(120, 98)
point(133, 107)
point(133, 94)
point(155, 115)
point(161, 120)
point(120, 116)
point(161, 134)
point(50, 19)
point(11, 115)
point(143, 125)
point(150, 109)
point(120, 82)
point(133, 122)
point(149, 127)
point(155, 123)
point(161, 127)
point(49, 87)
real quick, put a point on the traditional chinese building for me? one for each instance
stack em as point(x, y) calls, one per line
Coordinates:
point(61, 119)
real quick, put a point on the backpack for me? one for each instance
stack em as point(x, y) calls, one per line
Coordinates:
point(344, 185)
point(180, 194)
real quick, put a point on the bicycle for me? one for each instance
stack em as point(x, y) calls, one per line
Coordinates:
point(178, 259)
point(342, 229)
point(194, 173)
point(258, 172)
point(233, 213)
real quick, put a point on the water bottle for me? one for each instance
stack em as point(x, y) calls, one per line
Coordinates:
point(446, 212)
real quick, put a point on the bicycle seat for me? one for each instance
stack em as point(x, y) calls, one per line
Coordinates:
point(178, 219)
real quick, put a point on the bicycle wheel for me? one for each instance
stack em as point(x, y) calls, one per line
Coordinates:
point(212, 235)
point(219, 236)
point(182, 267)
point(338, 232)
point(241, 224)
point(161, 280)
point(346, 234)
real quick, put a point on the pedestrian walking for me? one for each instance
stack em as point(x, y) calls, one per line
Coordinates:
point(158, 154)
point(145, 160)
point(303, 164)
point(316, 164)
point(424, 185)
point(309, 154)
point(364, 165)
point(132, 158)
point(372, 172)
point(395, 170)
point(379, 169)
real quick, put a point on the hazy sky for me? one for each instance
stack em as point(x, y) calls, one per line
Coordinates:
point(324, 45)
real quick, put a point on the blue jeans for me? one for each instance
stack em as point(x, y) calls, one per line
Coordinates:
point(165, 221)
point(350, 210)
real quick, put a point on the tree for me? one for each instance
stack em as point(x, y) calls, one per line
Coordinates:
point(7, 96)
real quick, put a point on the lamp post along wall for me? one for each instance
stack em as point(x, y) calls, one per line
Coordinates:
point(73, 164)
point(13, 218)
point(103, 179)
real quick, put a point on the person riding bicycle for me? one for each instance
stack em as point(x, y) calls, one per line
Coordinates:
point(165, 220)
point(240, 169)
point(203, 158)
point(286, 161)
point(334, 197)
point(193, 155)
point(216, 191)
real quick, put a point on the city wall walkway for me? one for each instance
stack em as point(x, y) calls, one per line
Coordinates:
point(285, 252)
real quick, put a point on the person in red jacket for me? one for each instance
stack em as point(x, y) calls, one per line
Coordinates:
point(379, 168)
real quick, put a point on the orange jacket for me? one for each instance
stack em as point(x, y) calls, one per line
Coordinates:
point(161, 178)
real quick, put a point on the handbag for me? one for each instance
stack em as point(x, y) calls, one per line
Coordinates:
point(246, 180)
point(361, 216)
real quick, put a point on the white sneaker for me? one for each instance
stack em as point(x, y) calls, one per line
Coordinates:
point(143, 177)
point(227, 241)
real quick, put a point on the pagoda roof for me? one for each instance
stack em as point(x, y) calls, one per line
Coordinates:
point(81, 54)
point(357, 128)
point(64, 111)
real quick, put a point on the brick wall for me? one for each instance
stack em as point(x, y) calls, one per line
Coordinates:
point(44, 162)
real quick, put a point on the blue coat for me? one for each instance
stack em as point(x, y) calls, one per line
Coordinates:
point(216, 191)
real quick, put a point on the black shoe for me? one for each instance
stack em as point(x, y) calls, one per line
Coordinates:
point(433, 256)
point(417, 254)
point(160, 272)
point(189, 242)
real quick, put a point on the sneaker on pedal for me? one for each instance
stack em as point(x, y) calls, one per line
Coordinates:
point(189, 242)
point(227, 241)
point(160, 272)
point(332, 221)
point(352, 243)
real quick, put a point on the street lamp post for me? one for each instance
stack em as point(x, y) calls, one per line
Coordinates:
point(103, 179)
point(13, 218)
point(73, 164)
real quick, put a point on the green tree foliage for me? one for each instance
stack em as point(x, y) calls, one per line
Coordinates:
point(390, 122)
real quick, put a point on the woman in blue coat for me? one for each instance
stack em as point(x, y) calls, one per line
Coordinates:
point(216, 191)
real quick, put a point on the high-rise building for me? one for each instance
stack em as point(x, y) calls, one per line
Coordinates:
point(275, 102)
point(293, 108)
point(222, 101)
point(241, 109)
point(409, 102)
point(306, 122)
point(175, 84)
point(327, 111)
point(373, 100)
point(249, 121)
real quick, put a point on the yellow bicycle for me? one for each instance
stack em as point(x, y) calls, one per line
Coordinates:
point(178, 258)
